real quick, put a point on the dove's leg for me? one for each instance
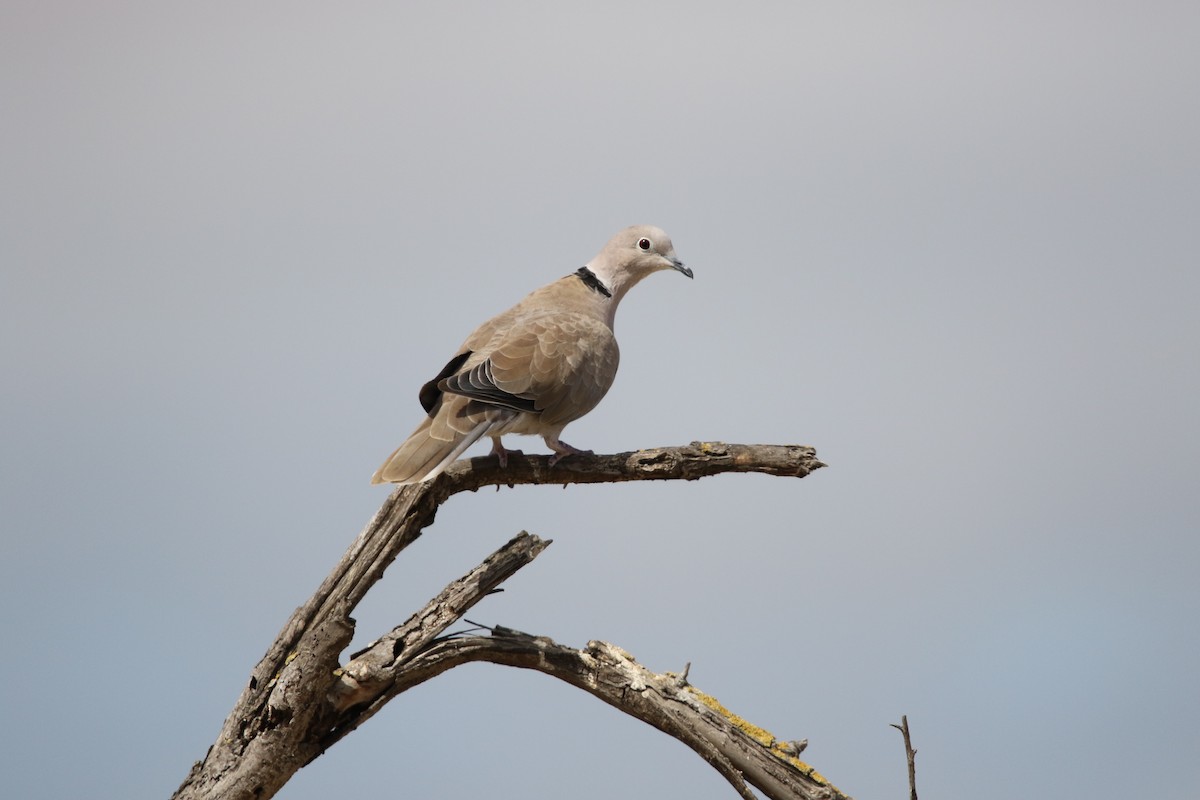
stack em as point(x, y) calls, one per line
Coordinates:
point(562, 450)
point(499, 452)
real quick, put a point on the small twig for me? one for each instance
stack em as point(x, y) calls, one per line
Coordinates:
point(911, 754)
point(795, 747)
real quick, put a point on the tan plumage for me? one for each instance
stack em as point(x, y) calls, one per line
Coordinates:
point(535, 368)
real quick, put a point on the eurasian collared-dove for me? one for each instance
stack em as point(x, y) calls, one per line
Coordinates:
point(545, 362)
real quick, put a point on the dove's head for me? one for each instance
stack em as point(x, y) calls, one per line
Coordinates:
point(633, 254)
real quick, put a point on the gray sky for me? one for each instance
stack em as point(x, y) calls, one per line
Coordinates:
point(953, 246)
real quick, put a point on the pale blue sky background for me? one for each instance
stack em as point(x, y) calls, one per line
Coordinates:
point(953, 246)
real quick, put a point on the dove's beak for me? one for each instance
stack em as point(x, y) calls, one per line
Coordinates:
point(677, 264)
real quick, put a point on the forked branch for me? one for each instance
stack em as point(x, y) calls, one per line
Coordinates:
point(299, 700)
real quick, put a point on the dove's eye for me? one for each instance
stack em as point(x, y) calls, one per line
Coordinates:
point(644, 244)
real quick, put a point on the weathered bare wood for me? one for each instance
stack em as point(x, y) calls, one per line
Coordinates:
point(691, 462)
point(282, 716)
point(909, 754)
point(739, 750)
point(300, 719)
point(362, 687)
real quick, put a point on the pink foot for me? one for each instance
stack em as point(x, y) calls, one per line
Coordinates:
point(499, 451)
point(562, 450)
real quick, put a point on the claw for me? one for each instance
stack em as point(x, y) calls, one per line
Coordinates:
point(562, 450)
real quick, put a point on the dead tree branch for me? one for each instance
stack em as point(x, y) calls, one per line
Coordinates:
point(911, 755)
point(298, 700)
point(739, 750)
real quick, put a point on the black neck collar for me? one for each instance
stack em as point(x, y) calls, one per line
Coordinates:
point(592, 282)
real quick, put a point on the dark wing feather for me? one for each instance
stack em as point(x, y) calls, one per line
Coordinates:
point(431, 393)
point(478, 383)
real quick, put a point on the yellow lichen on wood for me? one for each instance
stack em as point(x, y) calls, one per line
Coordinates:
point(760, 735)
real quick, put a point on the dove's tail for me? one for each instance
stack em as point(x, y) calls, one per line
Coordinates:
point(422, 456)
